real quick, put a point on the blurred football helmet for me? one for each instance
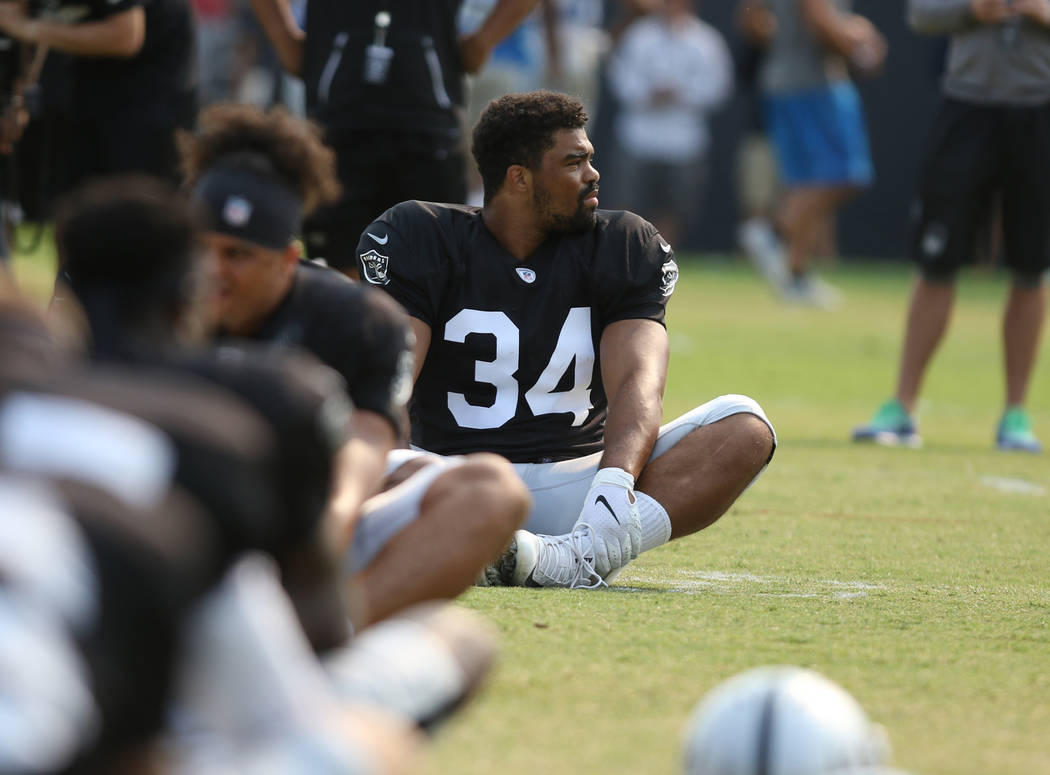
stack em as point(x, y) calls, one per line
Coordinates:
point(782, 721)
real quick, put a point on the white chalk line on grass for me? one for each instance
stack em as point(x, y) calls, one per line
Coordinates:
point(1013, 486)
point(719, 582)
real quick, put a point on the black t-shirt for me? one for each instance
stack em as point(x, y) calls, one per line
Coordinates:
point(306, 406)
point(512, 366)
point(159, 81)
point(224, 453)
point(169, 488)
point(167, 480)
point(137, 571)
point(152, 564)
point(303, 403)
point(424, 85)
point(353, 329)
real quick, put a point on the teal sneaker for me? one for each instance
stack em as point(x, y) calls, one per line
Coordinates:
point(1015, 432)
point(891, 426)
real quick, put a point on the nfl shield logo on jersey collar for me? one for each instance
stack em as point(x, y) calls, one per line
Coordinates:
point(526, 274)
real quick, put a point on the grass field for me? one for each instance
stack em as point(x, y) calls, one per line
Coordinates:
point(919, 580)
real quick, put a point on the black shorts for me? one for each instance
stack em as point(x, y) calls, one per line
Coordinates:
point(379, 170)
point(975, 152)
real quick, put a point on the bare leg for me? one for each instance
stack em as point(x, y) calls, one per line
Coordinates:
point(1022, 327)
point(467, 517)
point(801, 215)
point(698, 479)
point(825, 238)
point(406, 469)
point(928, 315)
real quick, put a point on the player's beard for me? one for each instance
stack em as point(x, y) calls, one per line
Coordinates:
point(582, 220)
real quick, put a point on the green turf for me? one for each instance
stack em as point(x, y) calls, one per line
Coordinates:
point(910, 577)
point(33, 260)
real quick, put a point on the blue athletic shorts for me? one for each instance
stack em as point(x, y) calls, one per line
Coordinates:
point(819, 136)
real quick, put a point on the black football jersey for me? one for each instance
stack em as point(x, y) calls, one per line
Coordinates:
point(135, 572)
point(224, 453)
point(512, 366)
point(352, 329)
point(303, 402)
point(151, 566)
point(305, 405)
point(167, 489)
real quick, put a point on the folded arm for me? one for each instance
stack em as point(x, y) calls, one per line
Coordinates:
point(942, 17)
point(119, 35)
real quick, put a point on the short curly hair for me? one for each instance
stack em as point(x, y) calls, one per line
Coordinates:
point(287, 148)
point(519, 129)
point(128, 230)
point(127, 248)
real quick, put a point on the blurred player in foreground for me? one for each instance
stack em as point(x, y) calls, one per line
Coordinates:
point(159, 473)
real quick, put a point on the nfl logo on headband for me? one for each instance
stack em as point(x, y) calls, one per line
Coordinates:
point(237, 211)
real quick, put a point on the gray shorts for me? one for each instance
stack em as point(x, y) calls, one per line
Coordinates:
point(558, 489)
point(385, 515)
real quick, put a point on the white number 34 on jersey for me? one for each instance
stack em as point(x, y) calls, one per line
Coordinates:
point(574, 346)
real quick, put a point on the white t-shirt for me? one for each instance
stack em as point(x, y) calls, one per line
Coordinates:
point(689, 58)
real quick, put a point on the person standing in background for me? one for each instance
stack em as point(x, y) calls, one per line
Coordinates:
point(991, 136)
point(132, 79)
point(217, 39)
point(814, 119)
point(670, 69)
point(756, 175)
point(515, 65)
point(575, 46)
point(385, 80)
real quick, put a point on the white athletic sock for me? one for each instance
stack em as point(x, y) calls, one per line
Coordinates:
point(656, 525)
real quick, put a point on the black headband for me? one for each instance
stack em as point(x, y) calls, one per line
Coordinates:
point(251, 206)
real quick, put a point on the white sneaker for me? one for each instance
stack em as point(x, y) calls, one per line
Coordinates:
point(809, 290)
point(759, 243)
point(513, 567)
point(566, 561)
point(546, 561)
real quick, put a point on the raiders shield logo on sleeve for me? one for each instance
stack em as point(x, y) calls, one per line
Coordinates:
point(375, 266)
point(669, 278)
